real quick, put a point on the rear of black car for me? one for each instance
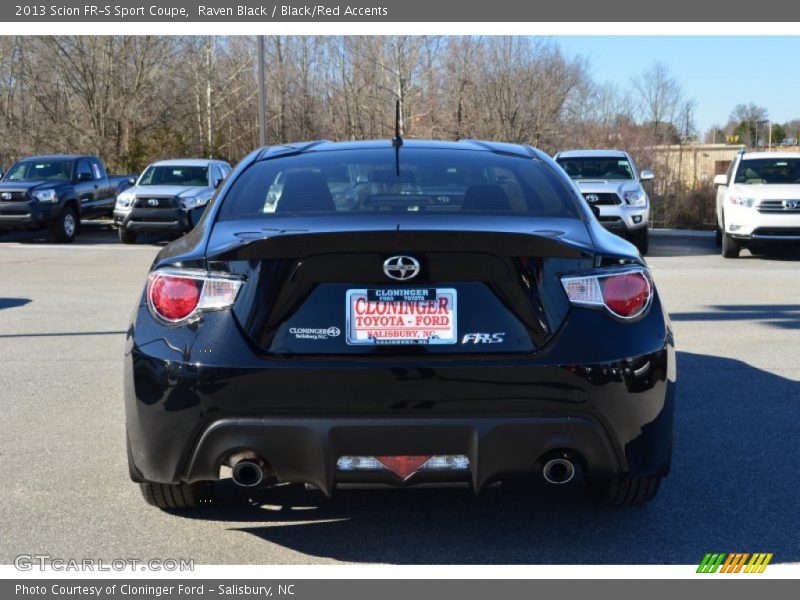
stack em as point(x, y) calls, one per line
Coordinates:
point(363, 313)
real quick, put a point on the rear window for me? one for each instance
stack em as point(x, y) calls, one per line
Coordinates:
point(343, 182)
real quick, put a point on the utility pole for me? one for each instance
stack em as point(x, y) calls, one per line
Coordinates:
point(262, 95)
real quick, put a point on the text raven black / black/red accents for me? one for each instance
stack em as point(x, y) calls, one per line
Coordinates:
point(351, 313)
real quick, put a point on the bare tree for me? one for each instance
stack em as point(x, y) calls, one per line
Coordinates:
point(660, 96)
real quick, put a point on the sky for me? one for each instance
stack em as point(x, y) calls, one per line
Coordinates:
point(719, 72)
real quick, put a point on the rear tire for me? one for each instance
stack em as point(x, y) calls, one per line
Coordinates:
point(178, 496)
point(624, 491)
point(126, 237)
point(641, 239)
point(64, 227)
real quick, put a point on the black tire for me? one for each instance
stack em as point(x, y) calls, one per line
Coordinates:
point(717, 236)
point(641, 239)
point(624, 491)
point(125, 236)
point(178, 496)
point(730, 247)
point(64, 227)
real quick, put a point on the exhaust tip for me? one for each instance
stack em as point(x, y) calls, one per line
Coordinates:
point(558, 471)
point(248, 472)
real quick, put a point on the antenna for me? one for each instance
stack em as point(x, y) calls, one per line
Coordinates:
point(397, 141)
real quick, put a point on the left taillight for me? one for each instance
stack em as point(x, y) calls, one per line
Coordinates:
point(178, 295)
point(626, 294)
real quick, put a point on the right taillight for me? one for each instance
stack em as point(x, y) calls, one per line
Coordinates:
point(178, 295)
point(626, 294)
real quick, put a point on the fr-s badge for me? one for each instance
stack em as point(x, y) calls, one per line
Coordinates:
point(483, 338)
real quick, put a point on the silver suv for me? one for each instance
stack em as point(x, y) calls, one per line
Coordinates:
point(169, 197)
point(609, 182)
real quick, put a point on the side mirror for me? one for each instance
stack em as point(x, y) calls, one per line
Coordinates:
point(646, 175)
point(721, 180)
point(218, 183)
point(84, 177)
point(132, 180)
point(2, 173)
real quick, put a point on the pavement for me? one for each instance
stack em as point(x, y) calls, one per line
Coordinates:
point(66, 493)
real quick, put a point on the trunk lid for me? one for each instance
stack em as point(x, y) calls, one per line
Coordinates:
point(485, 284)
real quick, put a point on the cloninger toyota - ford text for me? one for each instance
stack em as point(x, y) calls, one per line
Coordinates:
point(398, 312)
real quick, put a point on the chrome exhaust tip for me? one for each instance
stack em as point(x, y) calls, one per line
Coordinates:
point(248, 472)
point(558, 471)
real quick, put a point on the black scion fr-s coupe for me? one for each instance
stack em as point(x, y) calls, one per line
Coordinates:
point(398, 312)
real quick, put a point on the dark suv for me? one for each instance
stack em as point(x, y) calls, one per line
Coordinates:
point(57, 192)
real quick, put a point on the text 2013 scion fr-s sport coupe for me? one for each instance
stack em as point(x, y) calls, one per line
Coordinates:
point(402, 313)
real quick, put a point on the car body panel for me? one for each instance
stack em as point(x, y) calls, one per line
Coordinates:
point(231, 381)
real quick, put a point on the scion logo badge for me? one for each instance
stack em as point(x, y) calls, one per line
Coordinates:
point(401, 268)
point(153, 202)
point(791, 204)
point(734, 562)
point(592, 198)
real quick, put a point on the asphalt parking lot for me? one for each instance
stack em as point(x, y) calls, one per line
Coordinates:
point(734, 485)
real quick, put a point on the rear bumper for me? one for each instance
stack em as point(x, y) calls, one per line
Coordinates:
point(307, 450)
point(152, 220)
point(188, 410)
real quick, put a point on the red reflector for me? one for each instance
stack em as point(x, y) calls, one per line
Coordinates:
point(627, 294)
point(174, 298)
point(403, 466)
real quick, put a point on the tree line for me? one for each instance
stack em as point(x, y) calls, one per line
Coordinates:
point(134, 99)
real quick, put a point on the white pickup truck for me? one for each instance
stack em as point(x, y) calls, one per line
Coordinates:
point(609, 182)
point(758, 201)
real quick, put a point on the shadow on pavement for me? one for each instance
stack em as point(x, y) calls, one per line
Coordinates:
point(13, 302)
point(733, 487)
point(663, 246)
point(91, 233)
point(784, 316)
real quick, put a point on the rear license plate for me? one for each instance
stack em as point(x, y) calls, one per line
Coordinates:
point(401, 316)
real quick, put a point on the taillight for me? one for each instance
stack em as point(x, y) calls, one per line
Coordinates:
point(625, 294)
point(177, 295)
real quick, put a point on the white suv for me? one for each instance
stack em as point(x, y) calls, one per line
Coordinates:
point(609, 182)
point(758, 201)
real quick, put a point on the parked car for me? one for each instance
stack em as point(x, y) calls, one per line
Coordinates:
point(608, 180)
point(165, 196)
point(57, 191)
point(758, 201)
point(459, 316)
